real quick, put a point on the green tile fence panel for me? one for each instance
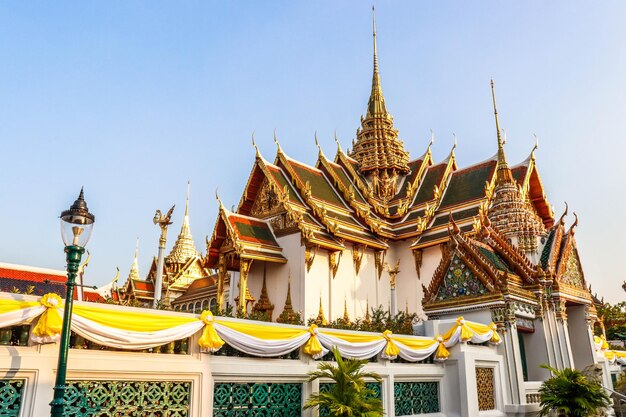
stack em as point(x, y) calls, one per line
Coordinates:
point(257, 400)
point(11, 395)
point(127, 398)
point(416, 398)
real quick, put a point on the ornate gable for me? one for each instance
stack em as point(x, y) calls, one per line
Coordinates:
point(267, 202)
point(573, 274)
point(459, 281)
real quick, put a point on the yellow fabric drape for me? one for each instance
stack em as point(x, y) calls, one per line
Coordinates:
point(135, 321)
point(495, 337)
point(391, 349)
point(50, 322)
point(263, 331)
point(466, 332)
point(7, 306)
point(143, 325)
point(313, 347)
point(442, 353)
point(209, 340)
point(355, 337)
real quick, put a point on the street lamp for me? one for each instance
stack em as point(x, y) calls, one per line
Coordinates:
point(76, 227)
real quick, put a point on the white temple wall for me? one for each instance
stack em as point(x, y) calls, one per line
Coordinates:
point(277, 276)
point(581, 338)
point(342, 286)
point(536, 349)
point(431, 257)
point(316, 286)
point(366, 284)
point(408, 286)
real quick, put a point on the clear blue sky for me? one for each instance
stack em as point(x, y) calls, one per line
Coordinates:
point(132, 99)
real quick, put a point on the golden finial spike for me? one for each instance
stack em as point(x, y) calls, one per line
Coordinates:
point(337, 142)
point(275, 138)
point(504, 173)
point(217, 197)
point(187, 201)
point(319, 148)
point(495, 112)
point(432, 138)
point(256, 149)
point(454, 146)
point(374, 35)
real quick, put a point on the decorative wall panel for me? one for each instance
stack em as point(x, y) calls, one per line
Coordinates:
point(485, 389)
point(127, 398)
point(416, 398)
point(258, 400)
point(11, 394)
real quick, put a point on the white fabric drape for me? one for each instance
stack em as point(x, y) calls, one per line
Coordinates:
point(24, 315)
point(259, 347)
point(355, 350)
point(127, 339)
point(413, 355)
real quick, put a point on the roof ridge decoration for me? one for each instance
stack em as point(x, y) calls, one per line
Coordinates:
point(510, 212)
point(378, 151)
point(184, 247)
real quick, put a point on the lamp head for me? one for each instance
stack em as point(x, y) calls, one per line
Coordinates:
point(77, 223)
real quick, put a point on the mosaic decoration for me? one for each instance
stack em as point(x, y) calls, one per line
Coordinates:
point(11, 394)
point(127, 398)
point(572, 275)
point(258, 400)
point(459, 281)
point(484, 386)
point(327, 386)
point(416, 398)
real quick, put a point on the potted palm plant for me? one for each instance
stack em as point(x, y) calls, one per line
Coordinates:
point(348, 395)
point(570, 394)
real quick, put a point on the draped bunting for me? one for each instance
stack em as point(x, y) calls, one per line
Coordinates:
point(612, 356)
point(141, 329)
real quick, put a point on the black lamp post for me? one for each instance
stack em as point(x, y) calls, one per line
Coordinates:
point(76, 227)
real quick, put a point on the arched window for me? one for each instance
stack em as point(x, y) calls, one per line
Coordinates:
point(213, 304)
point(196, 306)
point(183, 307)
point(205, 304)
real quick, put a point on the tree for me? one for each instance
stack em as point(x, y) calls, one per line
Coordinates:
point(348, 397)
point(570, 394)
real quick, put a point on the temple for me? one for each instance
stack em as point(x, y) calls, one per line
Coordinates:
point(370, 226)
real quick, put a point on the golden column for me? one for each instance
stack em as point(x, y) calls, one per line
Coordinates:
point(244, 268)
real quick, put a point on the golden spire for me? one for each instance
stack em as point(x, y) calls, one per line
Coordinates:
point(184, 247)
point(346, 316)
point(376, 104)
point(504, 173)
point(511, 213)
point(379, 152)
point(320, 315)
point(134, 269)
point(288, 315)
point(368, 319)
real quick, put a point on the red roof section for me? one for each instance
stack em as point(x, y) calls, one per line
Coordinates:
point(31, 275)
